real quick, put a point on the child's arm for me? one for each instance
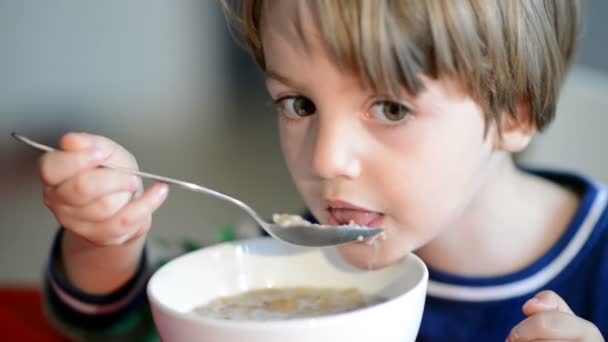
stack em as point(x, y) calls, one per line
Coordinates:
point(98, 255)
point(122, 315)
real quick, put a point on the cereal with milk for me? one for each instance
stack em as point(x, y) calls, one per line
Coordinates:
point(287, 303)
point(288, 220)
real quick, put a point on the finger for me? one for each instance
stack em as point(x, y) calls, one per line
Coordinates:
point(144, 206)
point(116, 231)
point(545, 301)
point(98, 211)
point(58, 166)
point(128, 222)
point(73, 142)
point(115, 154)
point(88, 187)
point(143, 228)
point(549, 325)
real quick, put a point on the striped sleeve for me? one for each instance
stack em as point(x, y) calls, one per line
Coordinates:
point(123, 315)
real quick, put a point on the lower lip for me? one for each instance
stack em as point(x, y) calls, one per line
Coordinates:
point(375, 223)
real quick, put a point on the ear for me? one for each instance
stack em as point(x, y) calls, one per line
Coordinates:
point(516, 130)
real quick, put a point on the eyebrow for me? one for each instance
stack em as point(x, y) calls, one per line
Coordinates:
point(271, 74)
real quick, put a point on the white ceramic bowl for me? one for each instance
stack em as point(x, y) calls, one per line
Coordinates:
point(227, 269)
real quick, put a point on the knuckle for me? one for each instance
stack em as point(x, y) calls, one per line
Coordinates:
point(82, 187)
point(131, 161)
point(107, 206)
point(143, 229)
point(140, 232)
point(125, 221)
point(62, 214)
point(118, 156)
point(116, 233)
point(72, 226)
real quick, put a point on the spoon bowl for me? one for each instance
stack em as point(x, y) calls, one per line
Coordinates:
point(311, 235)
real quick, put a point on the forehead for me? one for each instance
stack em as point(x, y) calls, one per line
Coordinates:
point(289, 28)
point(357, 40)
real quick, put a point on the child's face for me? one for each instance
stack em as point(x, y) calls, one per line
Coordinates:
point(411, 167)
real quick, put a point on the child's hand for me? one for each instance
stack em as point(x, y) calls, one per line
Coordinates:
point(95, 203)
point(550, 318)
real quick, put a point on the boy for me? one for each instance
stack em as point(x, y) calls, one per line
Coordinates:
point(394, 114)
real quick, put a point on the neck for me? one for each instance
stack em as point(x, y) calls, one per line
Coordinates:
point(512, 221)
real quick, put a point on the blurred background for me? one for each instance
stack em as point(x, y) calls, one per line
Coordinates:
point(166, 80)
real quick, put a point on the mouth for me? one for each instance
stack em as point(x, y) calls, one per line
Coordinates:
point(344, 213)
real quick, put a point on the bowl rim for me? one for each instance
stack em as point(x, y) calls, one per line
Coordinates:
point(286, 323)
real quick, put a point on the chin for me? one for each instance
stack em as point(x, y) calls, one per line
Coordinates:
point(366, 256)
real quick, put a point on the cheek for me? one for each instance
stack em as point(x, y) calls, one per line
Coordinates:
point(424, 194)
point(297, 152)
point(433, 176)
point(291, 146)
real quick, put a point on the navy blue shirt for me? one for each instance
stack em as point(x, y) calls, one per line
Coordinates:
point(487, 308)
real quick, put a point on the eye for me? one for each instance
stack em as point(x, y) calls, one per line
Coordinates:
point(390, 111)
point(296, 106)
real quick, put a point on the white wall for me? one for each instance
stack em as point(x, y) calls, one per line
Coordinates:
point(577, 140)
point(98, 61)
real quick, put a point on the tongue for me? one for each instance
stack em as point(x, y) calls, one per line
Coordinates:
point(361, 218)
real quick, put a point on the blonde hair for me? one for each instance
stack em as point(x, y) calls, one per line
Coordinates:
point(502, 52)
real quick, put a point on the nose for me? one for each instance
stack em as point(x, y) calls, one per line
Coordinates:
point(335, 152)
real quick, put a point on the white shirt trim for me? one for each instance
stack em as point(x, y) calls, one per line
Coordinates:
point(537, 280)
point(97, 309)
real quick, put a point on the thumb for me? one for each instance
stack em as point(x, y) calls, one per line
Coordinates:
point(73, 142)
point(546, 301)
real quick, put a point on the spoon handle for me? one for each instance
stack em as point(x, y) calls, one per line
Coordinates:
point(168, 180)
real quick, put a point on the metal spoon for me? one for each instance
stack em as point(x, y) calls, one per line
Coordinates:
point(302, 235)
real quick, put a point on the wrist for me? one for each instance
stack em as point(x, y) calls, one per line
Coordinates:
point(78, 306)
point(98, 269)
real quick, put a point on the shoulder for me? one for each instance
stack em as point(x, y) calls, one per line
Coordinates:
point(581, 262)
point(591, 218)
point(596, 281)
point(589, 227)
point(589, 276)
